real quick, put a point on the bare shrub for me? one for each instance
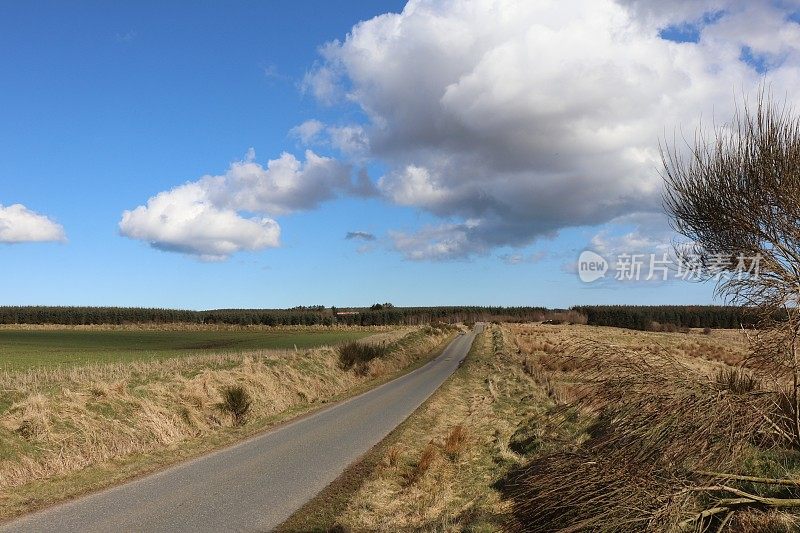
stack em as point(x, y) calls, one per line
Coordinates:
point(736, 195)
point(236, 400)
point(358, 355)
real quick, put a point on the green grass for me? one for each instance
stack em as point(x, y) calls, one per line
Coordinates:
point(20, 348)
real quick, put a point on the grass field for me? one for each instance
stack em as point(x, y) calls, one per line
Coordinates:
point(26, 348)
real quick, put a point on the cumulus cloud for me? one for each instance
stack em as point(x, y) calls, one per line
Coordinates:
point(359, 235)
point(20, 224)
point(207, 219)
point(639, 247)
point(323, 83)
point(364, 186)
point(284, 186)
point(185, 220)
point(351, 140)
point(513, 119)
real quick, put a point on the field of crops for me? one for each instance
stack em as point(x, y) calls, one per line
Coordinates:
point(26, 348)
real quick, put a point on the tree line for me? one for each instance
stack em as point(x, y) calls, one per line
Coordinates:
point(298, 316)
point(643, 317)
point(625, 316)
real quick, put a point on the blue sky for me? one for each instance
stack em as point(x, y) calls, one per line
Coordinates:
point(105, 105)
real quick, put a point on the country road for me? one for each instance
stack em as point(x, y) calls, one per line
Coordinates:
point(257, 484)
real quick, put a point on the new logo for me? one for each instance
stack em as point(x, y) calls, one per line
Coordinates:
point(591, 266)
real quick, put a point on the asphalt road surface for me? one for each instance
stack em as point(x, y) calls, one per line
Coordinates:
point(259, 483)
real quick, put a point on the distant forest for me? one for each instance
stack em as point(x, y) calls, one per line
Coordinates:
point(626, 316)
point(377, 315)
point(654, 317)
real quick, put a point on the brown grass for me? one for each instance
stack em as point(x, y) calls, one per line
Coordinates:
point(464, 432)
point(421, 467)
point(60, 421)
point(392, 457)
point(659, 408)
point(455, 442)
point(587, 430)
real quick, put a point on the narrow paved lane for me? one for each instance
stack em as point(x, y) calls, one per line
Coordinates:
point(255, 485)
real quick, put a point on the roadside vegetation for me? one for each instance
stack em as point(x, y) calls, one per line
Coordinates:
point(649, 432)
point(358, 355)
point(68, 429)
point(549, 427)
point(439, 470)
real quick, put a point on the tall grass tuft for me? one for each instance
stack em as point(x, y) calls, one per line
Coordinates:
point(423, 465)
point(737, 380)
point(236, 400)
point(455, 442)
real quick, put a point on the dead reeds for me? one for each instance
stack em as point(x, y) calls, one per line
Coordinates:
point(657, 422)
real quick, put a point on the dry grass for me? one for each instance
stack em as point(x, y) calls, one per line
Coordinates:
point(440, 473)
point(765, 522)
point(658, 408)
point(580, 428)
point(426, 459)
point(55, 422)
point(455, 442)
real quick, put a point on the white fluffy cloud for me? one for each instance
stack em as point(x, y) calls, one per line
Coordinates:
point(20, 224)
point(185, 220)
point(206, 218)
point(513, 119)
